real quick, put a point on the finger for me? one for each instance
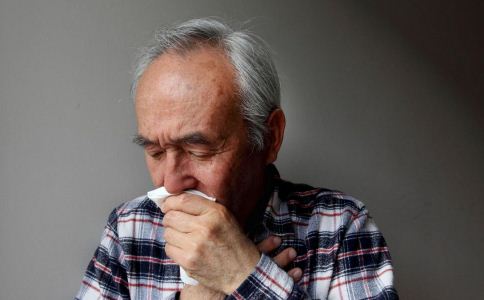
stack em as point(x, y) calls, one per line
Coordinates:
point(269, 244)
point(180, 221)
point(285, 257)
point(181, 257)
point(188, 203)
point(175, 253)
point(295, 274)
point(178, 239)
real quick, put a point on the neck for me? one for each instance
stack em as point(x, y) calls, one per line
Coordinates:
point(254, 213)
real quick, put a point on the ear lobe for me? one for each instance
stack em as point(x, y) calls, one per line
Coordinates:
point(276, 124)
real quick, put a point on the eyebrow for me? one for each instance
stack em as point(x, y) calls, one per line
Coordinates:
point(143, 141)
point(194, 138)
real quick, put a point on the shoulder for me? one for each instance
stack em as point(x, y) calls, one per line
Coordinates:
point(307, 198)
point(321, 208)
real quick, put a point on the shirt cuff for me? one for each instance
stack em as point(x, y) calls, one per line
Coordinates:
point(267, 281)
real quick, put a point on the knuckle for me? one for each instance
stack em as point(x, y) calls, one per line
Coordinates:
point(168, 250)
point(279, 261)
point(183, 199)
point(166, 234)
point(267, 245)
point(167, 218)
point(207, 232)
point(286, 254)
point(282, 259)
point(191, 261)
point(198, 249)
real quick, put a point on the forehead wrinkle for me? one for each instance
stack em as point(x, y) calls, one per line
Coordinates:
point(179, 95)
point(187, 78)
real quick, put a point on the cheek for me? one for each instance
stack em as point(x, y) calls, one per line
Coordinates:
point(210, 173)
point(215, 176)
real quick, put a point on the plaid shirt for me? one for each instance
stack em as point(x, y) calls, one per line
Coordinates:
point(339, 248)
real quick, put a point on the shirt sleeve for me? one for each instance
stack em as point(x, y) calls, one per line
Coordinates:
point(268, 281)
point(362, 268)
point(106, 276)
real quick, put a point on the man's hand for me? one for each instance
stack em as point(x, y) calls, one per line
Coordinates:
point(269, 244)
point(284, 258)
point(205, 239)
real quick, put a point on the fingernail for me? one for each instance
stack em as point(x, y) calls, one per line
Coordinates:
point(292, 253)
point(276, 240)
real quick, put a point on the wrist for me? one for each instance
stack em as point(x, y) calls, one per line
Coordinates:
point(244, 271)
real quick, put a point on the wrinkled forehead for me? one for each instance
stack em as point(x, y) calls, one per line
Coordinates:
point(196, 86)
point(201, 71)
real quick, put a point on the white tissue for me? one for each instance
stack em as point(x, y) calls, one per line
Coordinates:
point(158, 196)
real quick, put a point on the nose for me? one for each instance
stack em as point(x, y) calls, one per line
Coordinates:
point(177, 173)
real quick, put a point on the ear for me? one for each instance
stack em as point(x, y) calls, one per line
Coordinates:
point(276, 124)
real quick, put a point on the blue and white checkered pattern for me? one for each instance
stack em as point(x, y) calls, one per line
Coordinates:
point(339, 248)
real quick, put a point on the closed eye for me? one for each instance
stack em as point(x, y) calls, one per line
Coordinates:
point(156, 155)
point(200, 154)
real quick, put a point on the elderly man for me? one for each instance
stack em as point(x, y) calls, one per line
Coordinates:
point(209, 119)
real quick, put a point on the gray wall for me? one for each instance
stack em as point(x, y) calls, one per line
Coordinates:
point(383, 101)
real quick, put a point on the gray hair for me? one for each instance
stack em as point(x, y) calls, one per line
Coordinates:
point(256, 76)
